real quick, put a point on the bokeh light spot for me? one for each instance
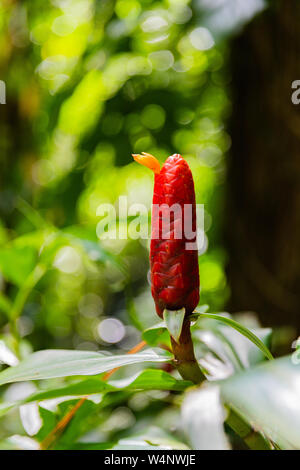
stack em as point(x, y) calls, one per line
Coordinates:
point(90, 305)
point(68, 260)
point(201, 39)
point(161, 60)
point(153, 116)
point(111, 330)
point(154, 23)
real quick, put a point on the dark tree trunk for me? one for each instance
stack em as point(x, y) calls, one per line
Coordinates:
point(263, 204)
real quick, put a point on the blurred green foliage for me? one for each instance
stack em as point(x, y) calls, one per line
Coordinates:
point(88, 83)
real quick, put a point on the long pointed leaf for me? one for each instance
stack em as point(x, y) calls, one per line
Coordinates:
point(241, 329)
point(203, 416)
point(267, 396)
point(52, 363)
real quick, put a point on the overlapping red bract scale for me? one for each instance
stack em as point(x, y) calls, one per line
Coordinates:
point(174, 269)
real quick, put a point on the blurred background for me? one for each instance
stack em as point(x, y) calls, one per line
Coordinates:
point(88, 82)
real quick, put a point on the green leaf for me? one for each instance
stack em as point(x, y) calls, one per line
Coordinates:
point(17, 442)
point(138, 444)
point(84, 387)
point(6, 355)
point(85, 418)
point(49, 420)
point(52, 363)
point(152, 379)
point(222, 350)
point(85, 446)
point(174, 321)
point(149, 379)
point(16, 263)
point(5, 407)
point(241, 329)
point(152, 438)
point(203, 416)
point(156, 334)
point(267, 396)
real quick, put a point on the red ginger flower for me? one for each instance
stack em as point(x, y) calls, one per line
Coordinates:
point(174, 265)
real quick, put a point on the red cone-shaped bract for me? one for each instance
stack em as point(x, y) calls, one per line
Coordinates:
point(174, 268)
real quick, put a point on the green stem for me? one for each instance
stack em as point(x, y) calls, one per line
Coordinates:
point(20, 300)
point(252, 438)
point(185, 360)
